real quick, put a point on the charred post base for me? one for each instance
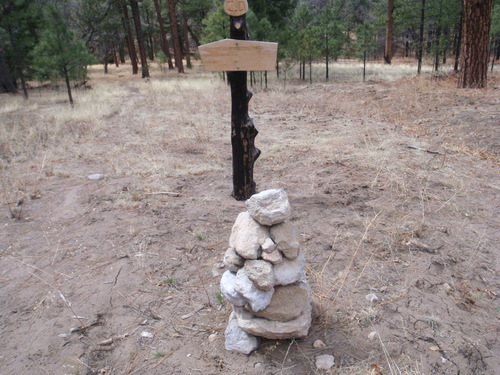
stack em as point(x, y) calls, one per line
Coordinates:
point(243, 130)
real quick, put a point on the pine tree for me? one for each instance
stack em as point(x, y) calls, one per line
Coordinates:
point(59, 54)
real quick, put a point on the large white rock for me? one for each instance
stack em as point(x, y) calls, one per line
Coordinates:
point(256, 298)
point(296, 328)
point(227, 284)
point(247, 236)
point(269, 207)
point(232, 260)
point(285, 236)
point(290, 271)
point(261, 273)
point(238, 340)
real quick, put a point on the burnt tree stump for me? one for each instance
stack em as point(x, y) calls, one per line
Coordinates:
point(243, 130)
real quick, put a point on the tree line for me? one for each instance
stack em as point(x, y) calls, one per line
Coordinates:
point(57, 39)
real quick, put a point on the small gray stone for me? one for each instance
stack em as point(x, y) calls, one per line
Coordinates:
point(290, 271)
point(325, 362)
point(261, 273)
point(256, 298)
point(318, 344)
point(285, 236)
point(227, 284)
point(269, 246)
point(288, 303)
point(269, 207)
point(275, 257)
point(247, 236)
point(232, 260)
point(238, 340)
point(372, 298)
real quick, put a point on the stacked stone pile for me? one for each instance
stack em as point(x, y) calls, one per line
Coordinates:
point(265, 280)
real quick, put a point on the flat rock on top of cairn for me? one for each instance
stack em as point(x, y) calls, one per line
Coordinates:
point(269, 207)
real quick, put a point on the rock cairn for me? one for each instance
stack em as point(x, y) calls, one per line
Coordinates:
point(265, 277)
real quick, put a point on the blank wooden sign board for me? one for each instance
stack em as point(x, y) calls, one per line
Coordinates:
point(237, 56)
point(233, 55)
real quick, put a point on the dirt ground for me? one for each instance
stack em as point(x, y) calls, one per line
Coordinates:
point(394, 188)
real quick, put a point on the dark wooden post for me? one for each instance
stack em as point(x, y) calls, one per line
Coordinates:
point(237, 56)
point(243, 130)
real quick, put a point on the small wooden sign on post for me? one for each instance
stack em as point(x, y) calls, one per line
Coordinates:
point(237, 56)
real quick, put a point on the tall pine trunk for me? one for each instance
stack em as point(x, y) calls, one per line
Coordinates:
point(140, 39)
point(164, 41)
point(474, 52)
point(421, 39)
point(186, 40)
point(175, 37)
point(130, 39)
point(388, 32)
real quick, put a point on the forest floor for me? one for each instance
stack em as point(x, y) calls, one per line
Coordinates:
point(394, 188)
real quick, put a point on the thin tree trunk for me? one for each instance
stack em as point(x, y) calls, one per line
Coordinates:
point(164, 41)
point(6, 84)
point(388, 32)
point(186, 40)
point(130, 39)
point(474, 52)
point(436, 57)
point(68, 86)
point(115, 57)
point(175, 37)
point(140, 39)
point(18, 63)
point(458, 42)
point(421, 40)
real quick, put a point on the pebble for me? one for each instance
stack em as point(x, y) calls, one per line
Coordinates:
point(147, 334)
point(212, 337)
point(325, 362)
point(372, 335)
point(97, 176)
point(318, 344)
point(372, 298)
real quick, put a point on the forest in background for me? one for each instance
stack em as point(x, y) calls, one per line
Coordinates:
point(48, 40)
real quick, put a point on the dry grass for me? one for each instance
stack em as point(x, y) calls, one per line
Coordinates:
point(356, 146)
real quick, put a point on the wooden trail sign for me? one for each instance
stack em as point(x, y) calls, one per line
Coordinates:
point(237, 56)
point(233, 55)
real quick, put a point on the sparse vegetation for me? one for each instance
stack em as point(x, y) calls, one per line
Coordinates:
point(391, 184)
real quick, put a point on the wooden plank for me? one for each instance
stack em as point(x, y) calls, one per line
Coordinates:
point(238, 55)
point(236, 8)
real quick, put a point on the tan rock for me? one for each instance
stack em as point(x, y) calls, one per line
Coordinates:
point(288, 303)
point(261, 273)
point(285, 236)
point(275, 257)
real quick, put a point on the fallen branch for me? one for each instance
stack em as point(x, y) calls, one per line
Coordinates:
point(171, 193)
point(426, 150)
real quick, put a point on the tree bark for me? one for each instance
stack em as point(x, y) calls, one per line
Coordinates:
point(140, 40)
point(474, 51)
point(6, 84)
point(175, 37)
point(421, 39)
point(243, 130)
point(388, 32)
point(130, 39)
point(186, 40)
point(164, 41)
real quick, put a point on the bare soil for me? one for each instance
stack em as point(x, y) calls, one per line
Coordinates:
point(394, 188)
